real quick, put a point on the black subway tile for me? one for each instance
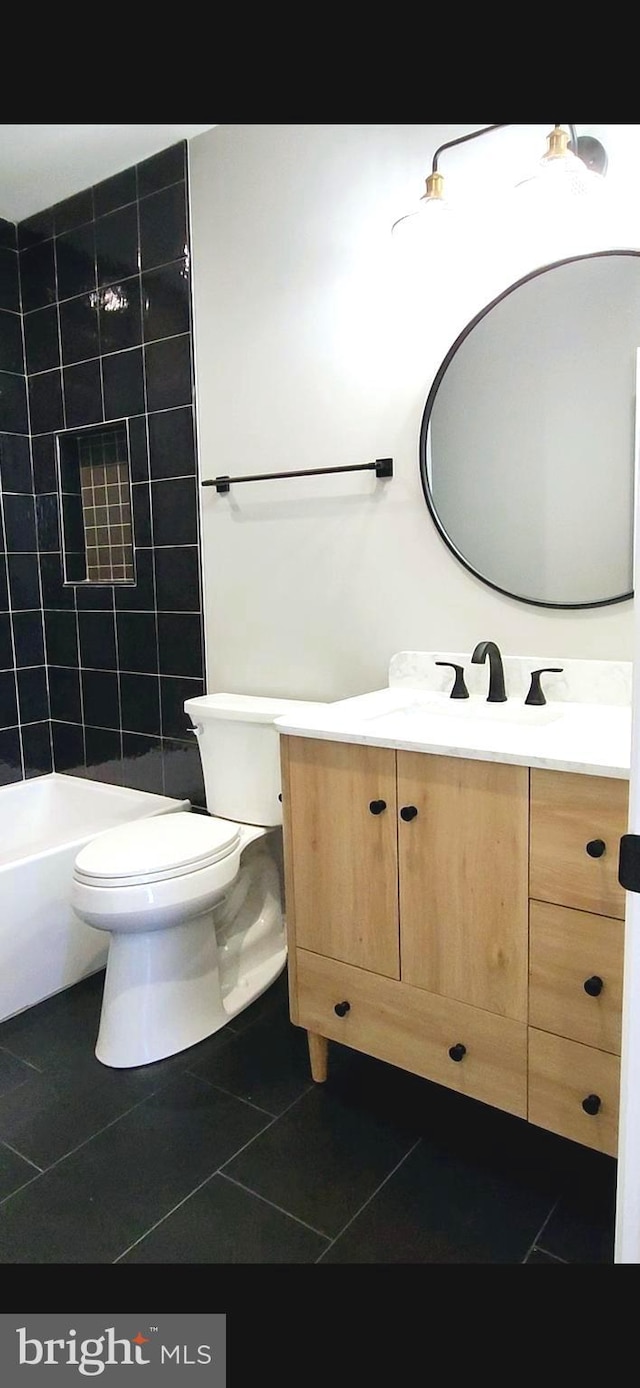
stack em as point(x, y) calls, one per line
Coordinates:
point(61, 636)
point(142, 763)
point(9, 281)
point(24, 582)
point(15, 463)
point(68, 748)
point(11, 352)
point(174, 506)
point(33, 698)
point(36, 743)
point(97, 640)
point(79, 329)
point(137, 642)
point(160, 170)
point(64, 692)
point(183, 777)
point(20, 523)
point(104, 755)
point(38, 276)
point(82, 394)
point(115, 192)
point(168, 373)
point(41, 338)
point(163, 227)
point(139, 697)
point(123, 384)
point(172, 450)
point(8, 699)
point(173, 693)
point(28, 638)
point(76, 261)
point(178, 579)
point(45, 402)
point(117, 249)
point(180, 644)
point(10, 758)
point(13, 403)
point(100, 700)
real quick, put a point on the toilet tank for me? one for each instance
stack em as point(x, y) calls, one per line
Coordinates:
point(240, 754)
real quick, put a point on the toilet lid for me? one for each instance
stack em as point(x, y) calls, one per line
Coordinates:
point(149, 850)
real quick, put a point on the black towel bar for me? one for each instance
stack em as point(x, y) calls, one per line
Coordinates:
point(383, 468)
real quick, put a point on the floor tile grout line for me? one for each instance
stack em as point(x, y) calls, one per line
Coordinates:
point(536, 1240)
point(230, 1094)
point(367, 1202)
point(553, 1256)
point(231, 1181)
point(272, 1204)
point(217, 1172)
point(105, 1128)
point(14, 1056)
point(31, 1179)
point(42, 1171)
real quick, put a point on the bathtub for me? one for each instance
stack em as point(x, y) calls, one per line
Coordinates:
point(43, 824)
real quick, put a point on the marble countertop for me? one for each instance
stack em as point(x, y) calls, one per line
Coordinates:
point(585, 725)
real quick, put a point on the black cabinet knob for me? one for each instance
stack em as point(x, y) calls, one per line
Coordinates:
point(341, 1008)
point(592, 1104)
point(377, 806)
point(408, 812)
point(596, 847)
point(593, 986)
point(458, 1051)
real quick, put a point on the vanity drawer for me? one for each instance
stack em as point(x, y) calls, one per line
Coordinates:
point(563, 1075)
point(568, 812)
point(569, 949)
point(415, 1030)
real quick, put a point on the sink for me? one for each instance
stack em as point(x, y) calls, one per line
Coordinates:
point(471, 710)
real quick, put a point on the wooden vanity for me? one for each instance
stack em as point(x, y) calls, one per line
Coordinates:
point(462, 919)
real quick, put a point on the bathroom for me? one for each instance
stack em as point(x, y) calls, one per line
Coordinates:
point(314, 348)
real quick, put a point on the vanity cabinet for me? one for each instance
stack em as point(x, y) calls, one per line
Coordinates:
point(461, 919)
point(392, 949)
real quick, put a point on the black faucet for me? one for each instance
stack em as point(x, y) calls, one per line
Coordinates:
point(483, 649)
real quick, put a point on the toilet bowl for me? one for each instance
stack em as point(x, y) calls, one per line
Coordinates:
point(194, 908)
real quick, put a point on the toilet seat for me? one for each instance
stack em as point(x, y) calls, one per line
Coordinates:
point(156, 849)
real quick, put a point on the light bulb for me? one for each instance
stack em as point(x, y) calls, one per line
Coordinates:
point(560, 172)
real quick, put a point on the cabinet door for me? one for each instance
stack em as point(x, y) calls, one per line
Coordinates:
point(463, 866)
point(576, 825)
point(340, 842)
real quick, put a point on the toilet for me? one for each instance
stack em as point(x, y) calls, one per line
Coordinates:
point(193, 902)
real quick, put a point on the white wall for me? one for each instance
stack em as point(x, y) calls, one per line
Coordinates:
point(317, 338)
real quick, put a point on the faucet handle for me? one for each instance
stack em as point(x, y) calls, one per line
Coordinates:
point(535, 695)
point(459, 690)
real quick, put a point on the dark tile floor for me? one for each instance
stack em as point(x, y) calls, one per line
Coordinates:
point(229, 1153)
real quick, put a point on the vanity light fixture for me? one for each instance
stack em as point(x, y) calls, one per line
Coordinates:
point(575, 163)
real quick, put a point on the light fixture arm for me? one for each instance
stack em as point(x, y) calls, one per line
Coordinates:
point(434, 183)
point(462, 140)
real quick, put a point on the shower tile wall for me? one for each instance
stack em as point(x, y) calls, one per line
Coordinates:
point(95, 313)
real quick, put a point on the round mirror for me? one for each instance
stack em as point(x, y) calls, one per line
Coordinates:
point(527, 442)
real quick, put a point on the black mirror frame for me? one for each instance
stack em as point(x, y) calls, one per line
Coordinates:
point(424, 428)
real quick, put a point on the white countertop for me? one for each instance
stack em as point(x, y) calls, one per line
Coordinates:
point(414, 713)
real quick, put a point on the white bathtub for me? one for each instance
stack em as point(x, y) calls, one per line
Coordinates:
point(43, 824)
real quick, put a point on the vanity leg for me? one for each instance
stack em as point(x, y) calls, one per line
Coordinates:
point(318, 1056)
